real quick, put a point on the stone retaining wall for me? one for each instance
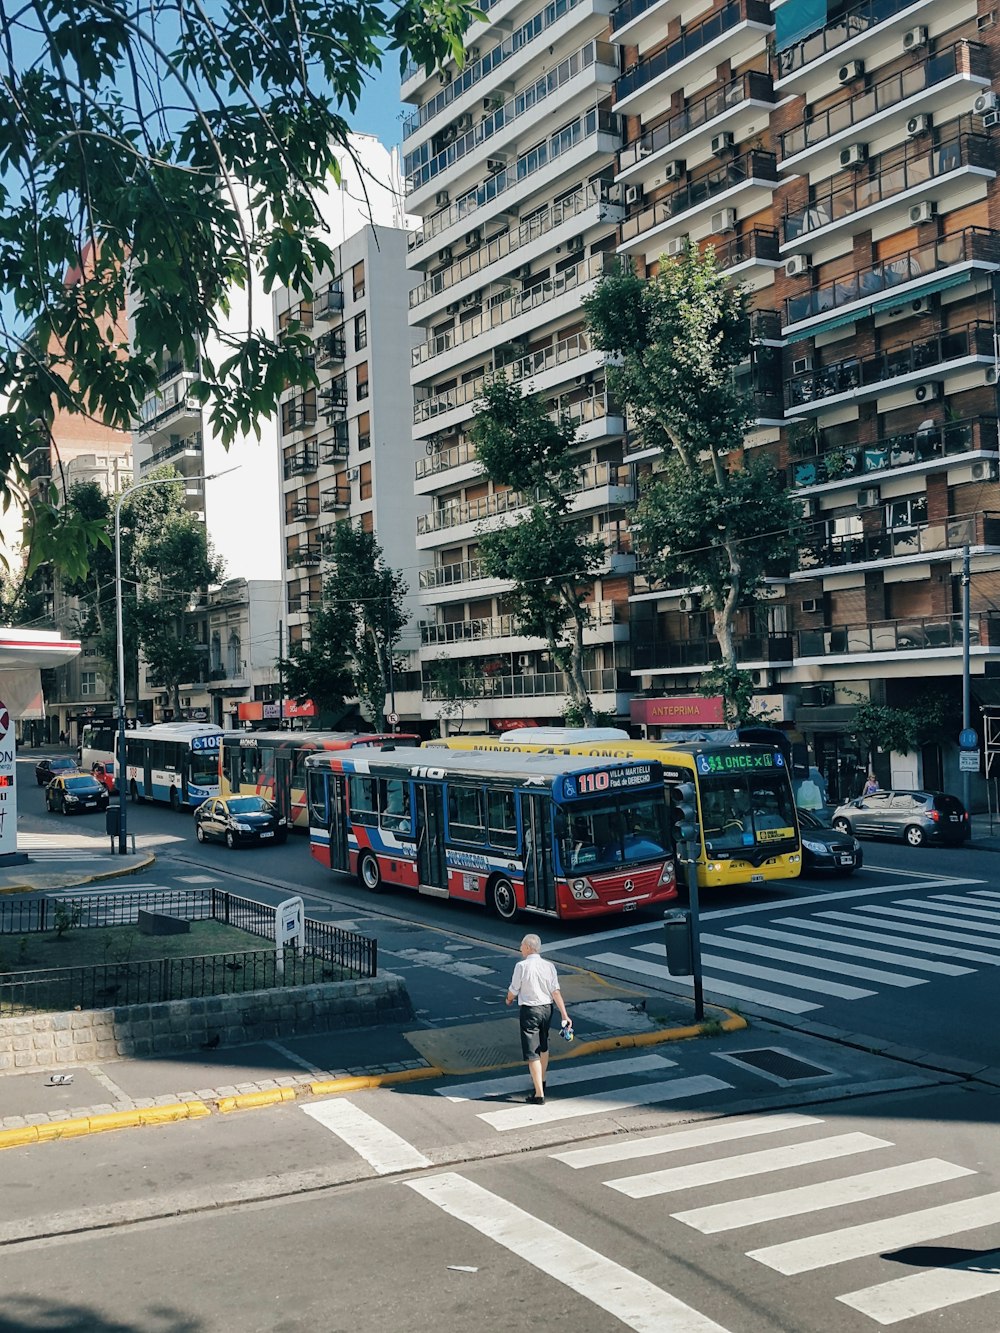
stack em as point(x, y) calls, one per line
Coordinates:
point(44, 1040)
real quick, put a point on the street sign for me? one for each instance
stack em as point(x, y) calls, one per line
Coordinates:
point(968, 738)
point(392, 718)
point(968, 761)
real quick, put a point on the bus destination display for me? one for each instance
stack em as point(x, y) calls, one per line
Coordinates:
point(735, 761)
point(607, 779)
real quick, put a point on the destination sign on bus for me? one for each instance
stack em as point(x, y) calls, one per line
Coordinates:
point(737, 761)
point(206, 742)
point(607, 779)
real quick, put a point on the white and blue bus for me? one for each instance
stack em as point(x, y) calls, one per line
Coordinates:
point(176, 762)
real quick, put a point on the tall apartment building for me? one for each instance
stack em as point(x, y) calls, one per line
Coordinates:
point(510, 164)
point(346, 447)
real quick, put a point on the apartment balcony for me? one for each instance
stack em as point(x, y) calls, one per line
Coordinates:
point(303, 510)
point(459, 513)
point(596, 419)
point(942, 85)
point(931, 448)
point(568, 87)
point(918, 542)
point(488, 629)
point(594, 133)
point(871, 32)
point(640, 22)
point(857, 379)
point(333, 402)
point(331, 348)
point(692, 128)
point(460, 574)
point(730, 34)
point(750, 256)
point(180, 450)
point(941, 636)
point(335, 498)
point(298, 414)
point(301, 464)
point(299, 317)
point(449, 466)
point(946, 176)
point(518, 315)
point(170, 407)
point(521, 49)
point(310, 556)
point(329, 303)
point(532, 685)
point(685, 655)
point(896, 284)
point(748, 181)
point(302, 603)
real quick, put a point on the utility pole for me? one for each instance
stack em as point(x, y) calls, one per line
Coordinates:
point(966, 580)
point(389, 644)
point(281, 675)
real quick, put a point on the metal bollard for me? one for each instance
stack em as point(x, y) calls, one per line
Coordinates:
point(677, 930)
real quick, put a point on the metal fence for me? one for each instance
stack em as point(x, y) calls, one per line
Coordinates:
point(330, 954)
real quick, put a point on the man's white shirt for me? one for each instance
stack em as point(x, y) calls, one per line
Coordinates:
point(534, 980)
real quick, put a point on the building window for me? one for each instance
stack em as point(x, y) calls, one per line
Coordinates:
point(362, 380)
point(365, 478)
point(216, 651)
point(361, 332)
point(233, 663)
point(359, 279)
point(90, 684)
point(364, 431)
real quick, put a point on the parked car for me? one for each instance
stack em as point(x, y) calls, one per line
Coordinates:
point(47, 769)
point(915, 816)
point(826, 848)
point(75, 794)
point(239, 820)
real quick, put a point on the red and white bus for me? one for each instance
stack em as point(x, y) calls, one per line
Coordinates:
point(567, 836)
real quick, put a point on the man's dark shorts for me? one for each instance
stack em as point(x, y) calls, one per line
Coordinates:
point(535, 1020)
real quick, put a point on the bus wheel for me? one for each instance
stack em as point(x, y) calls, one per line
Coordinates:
point(133, 792)
point(502, 899)
point(369, 873)
point(175, 800)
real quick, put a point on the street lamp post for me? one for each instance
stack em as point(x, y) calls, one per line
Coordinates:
point(129, 490)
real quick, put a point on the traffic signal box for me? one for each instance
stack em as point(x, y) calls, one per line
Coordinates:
point(684, 820)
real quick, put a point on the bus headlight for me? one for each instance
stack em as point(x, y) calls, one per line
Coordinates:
point(666, 874)
point(582, 890)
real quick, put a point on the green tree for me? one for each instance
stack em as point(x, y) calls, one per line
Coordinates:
point(456, 682)
point(893, 730)
point(170, 149)
point(550, 559)
point(320, 668)
point(714, 517)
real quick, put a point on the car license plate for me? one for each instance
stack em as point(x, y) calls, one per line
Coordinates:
point(846, 859)
point(628, 907)
point(90, 804)
point(953, 818)
point(267, 835)
point(756, 879)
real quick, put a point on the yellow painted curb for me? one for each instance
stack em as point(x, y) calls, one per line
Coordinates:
point(731, 1024)
point(244, 1101)
point(357, 1082)
point(99, 1124)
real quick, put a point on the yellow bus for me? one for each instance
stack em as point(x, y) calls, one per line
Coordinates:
point(749, 831)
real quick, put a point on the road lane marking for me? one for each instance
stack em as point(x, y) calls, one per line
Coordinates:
point(982, 911)
point(724, 1132)
point(818, 964)
point(557, 1077)
point(933, 915)
point(854, 950)
point(812, 1198)
point(384, 1151)
point(631, 1299)
point(714, 962)
point(770, 999)
point(920, 1293)
point(881, 937)
point(621, 1099)
point(893, 1233)
point(742, 1165)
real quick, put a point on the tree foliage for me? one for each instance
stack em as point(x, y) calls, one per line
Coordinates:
point(714, 517)
point(895, 730)
point(456, 684)
point(320, 668)
point(177, 149)
point(551, 561)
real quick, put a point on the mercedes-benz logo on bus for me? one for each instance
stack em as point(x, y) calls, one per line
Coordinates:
point(630, 886)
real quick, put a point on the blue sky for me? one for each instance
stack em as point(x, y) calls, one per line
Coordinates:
point(381, 112)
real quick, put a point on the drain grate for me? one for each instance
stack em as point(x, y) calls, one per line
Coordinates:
point(778, 1065)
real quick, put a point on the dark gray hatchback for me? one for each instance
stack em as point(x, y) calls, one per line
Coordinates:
point(915, 816)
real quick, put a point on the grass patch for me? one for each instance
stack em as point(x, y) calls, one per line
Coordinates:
point(118, 944)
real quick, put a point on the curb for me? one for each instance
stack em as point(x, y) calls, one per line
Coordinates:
point(117, 873)
point(98, 1124)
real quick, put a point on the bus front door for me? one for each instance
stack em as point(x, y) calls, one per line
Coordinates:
point(282, 791)
point(339, 855)
point(536, 821)
point(432, 861)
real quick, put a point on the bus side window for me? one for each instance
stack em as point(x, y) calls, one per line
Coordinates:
point(395, 805)
point(317, 800)
point(249, 761)
point(363, 800)
point(234, 758)
point(465, 814)
point(502, 818)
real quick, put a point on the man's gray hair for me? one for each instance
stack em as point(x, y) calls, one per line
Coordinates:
point(532, 942)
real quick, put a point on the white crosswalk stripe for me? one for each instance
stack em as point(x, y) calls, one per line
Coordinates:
point(812, 941)
point(886, 929)
point(787, 1004)
point(922, 1293)
point(714, 962)
point(621, 1099)
point(381, 1148)
point(816, 964)
point(725, 1131)
point(557, 1077)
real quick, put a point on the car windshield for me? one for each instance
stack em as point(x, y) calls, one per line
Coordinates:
point(810, 821)
point(83, 784)
point(250, 805)
point(61, 765)
point(603, 834)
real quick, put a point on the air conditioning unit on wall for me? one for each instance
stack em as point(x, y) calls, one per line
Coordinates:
point(854, 155)
point(923, 212)
point(926, 393)
point(851, 71)
point(869, 497)
point(985, 469)
point(798, 266)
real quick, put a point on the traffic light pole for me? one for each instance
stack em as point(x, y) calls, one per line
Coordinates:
point(699, 997)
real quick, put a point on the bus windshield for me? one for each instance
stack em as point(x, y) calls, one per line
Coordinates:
point(600, 835)
point(740, 811)
point(204, 768)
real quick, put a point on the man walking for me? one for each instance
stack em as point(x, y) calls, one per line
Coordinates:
point(535, 987)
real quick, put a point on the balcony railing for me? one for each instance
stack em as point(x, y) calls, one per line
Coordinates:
point(973, 244)
point(334, 450)
point(297, 414)
point(179, 444)
point(421, 167)
point(825, 551)
point(469, 511)
point(759, 244)
point(300, 316)
point(921, 164)
point(307, 507)
point(862, 372)
point(499, 627)
point(330, 301)
point(448, 576)
point(690, 43)
point(531, 685)
point(175, 398)
point(335, 497)
point(678, 654)
point(924, 445)
point(896, 636)
point(298, 465)
point(504, 311)
point(442, 460)
point(753, 85)
point(587, 126)
point(331, 349)
point(481, 256)
point(853, 108)
point(862, 18)
point(477, 70)
point(755, 165)
point(306, 555)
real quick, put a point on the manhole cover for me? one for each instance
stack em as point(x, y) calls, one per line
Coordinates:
point(778, 1065)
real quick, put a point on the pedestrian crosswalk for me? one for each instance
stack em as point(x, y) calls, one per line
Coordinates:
point(55, 847)
point(795, 962)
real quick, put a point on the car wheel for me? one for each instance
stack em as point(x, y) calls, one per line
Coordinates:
point(230, 839)
point(175, 800)
point(502, 899)
point(914, 835)
point(65, 808)
point(199, 833)
point(369, 873)
point(841, 825)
